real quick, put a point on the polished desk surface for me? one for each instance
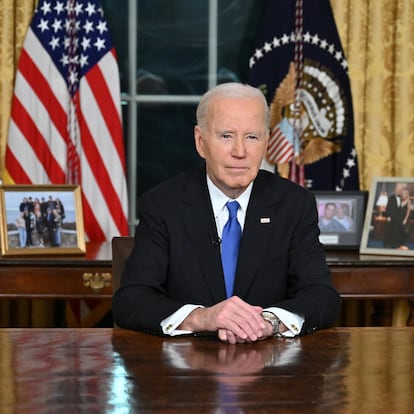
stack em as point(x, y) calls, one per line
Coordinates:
point(340, 370)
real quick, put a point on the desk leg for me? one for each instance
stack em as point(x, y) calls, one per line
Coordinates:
point(401, 312)
point(382, 315)
point(410, 321)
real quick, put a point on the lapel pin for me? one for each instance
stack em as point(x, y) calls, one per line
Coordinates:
point(264, 220)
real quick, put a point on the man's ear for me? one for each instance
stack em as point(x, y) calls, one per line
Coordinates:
point(198, 138)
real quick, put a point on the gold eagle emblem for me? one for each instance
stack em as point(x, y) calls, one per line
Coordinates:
point(320, 120)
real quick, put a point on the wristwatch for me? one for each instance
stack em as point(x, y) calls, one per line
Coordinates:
point(274, 321)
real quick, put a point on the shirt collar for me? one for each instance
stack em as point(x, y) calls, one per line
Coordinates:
point(219, 199)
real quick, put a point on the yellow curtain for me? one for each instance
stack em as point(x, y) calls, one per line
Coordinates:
point(377, 38)
point(15, 17)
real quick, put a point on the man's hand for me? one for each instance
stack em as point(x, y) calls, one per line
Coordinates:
point(233, 319)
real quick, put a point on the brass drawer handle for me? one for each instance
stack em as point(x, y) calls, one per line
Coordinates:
point(97, 281)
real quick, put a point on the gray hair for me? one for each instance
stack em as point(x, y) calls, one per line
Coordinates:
point(229, 90)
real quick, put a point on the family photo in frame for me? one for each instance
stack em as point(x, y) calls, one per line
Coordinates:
point(389, 220)
point(41, 219)
point(341, 218)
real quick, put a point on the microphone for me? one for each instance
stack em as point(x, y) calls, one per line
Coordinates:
point(215, 240)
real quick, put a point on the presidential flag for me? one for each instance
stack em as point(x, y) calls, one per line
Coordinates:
point(66, 125)
point(299, 64)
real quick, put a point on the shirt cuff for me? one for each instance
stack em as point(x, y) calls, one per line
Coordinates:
point(170, 323)
point(292, 321)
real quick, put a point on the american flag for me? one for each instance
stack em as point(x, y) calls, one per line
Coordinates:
point(66, 124)
point(279, 149)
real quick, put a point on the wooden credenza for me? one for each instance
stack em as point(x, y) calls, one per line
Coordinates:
point(89, 276)
point(59, 277)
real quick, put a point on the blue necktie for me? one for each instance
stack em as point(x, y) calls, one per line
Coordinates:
point(230, 241)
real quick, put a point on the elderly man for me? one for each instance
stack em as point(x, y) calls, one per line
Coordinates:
point(228, 248)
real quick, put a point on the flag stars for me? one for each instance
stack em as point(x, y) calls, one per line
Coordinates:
point(350, 162)
point(102, 27)
point(338, 55)
point(99, 44)
point(73, 77)
point(345, 173)
point(267, 47)
point(46, 8)
point(276, 42)
point(78, 9)
point(66, 43)
point(307, 37)
point(323, 44)
point(86, 43)
point(54, 43)
point(285, 39)
point(315, 39)
point(90, 9)
point(57, 25)
point(252, 62)
point(88, 26)
point(59, 8)
point(43, 25)
point(83, 60)
point(258, 53)
point(64, 60)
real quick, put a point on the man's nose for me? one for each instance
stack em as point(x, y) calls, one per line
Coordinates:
point(239, 147)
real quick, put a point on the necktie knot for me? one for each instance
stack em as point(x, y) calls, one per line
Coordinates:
point(233, 207)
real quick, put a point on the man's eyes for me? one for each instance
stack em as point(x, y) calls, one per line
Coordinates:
point(248, 137)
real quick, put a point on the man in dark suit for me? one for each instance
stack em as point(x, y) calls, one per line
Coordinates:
point(173, 281)
point(394, 228)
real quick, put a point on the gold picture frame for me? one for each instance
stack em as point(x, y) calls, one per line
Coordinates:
point(41, 220)
point(388, 228)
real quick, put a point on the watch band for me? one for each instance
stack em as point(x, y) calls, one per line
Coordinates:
point(274, 321)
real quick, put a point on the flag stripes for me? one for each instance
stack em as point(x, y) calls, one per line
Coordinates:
point(279, 149)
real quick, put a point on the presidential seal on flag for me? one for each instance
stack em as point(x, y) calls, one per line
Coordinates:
point(299, 64)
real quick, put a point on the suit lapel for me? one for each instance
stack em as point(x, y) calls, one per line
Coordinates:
point(258, 229)
point(198, 218)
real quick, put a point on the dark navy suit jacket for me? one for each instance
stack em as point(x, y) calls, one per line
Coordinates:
point(176, 258)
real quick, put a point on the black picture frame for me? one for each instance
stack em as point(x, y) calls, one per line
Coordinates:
point(343, 233)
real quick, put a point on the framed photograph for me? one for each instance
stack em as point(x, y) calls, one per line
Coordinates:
point(41, 219)
point(341, 218)
point(389, 218)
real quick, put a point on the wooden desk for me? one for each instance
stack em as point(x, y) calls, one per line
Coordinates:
point(89, 276)
point(342, 370)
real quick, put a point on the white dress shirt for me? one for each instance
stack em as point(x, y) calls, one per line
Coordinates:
point(218, 199)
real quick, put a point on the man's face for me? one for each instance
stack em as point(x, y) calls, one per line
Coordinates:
point(329, 211)
point(233, 142)
point(399, 187)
